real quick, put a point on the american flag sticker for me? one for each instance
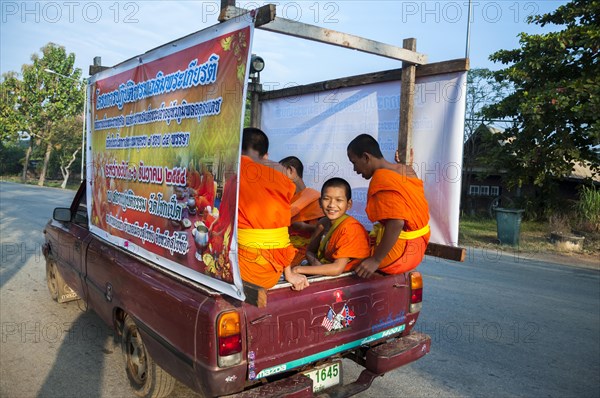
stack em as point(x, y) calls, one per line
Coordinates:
point(328, 320)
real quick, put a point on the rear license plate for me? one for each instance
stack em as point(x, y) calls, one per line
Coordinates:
point(326, 376)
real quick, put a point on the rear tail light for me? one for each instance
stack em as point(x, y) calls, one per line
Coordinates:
point(416, 291)
point(229, 339)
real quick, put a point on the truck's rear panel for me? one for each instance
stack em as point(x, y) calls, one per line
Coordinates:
point(330, 318)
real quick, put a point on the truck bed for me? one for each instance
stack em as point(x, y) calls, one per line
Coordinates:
point(296, 333)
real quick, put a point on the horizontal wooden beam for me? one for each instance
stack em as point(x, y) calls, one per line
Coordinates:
point(440, 68)
point(255, 295)
point(340, 39)
point(327, 36)
point(457, 65)
point(261, 15)
point(446, 252)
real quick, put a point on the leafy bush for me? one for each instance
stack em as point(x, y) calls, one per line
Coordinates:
point(11, 158)
point(588, 209)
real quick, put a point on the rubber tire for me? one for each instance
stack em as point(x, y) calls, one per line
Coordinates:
point(54, 279)
point(146, 378)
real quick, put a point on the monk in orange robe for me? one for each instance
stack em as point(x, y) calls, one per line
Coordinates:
point(341, 242)
point(193, 177)
point(396, 201)
point(265, 251)
point(202, 185)
point(205, 192)
point(306, 209)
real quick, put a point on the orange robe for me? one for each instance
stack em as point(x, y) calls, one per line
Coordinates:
point(305, 205)
point(349, 240)
point(392, 195)
point(205, 191)
point(305, 208)
point(193, 179)
point(264, 203)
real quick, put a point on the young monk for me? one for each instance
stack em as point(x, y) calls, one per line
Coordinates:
point(396, 201)
point(342, 242)
point(265, 251)
point(306, 209)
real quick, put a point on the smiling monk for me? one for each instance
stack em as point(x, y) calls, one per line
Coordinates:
point(396, 203)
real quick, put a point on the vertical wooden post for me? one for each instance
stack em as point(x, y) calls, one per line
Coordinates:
point(255, 89)
point(407, 105)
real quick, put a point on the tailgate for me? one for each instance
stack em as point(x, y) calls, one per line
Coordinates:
point(330, 317)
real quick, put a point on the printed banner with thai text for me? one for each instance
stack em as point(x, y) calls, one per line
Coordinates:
point(164, 141)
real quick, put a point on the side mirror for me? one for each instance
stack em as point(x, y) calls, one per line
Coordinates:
point(62, 214)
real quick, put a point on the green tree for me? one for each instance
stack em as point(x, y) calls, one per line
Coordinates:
point(11, 120)
point(555, 106)
point(48, 99)
point(67, 146)
point(11, 124)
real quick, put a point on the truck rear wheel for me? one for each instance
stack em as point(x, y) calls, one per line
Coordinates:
point(146, 378)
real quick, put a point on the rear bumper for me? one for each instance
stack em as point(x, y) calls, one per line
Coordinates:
point(397, 353)
point(379, 360)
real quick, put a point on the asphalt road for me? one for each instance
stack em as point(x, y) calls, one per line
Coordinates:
point(501, 326)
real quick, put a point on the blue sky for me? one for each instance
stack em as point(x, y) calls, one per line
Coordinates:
point(119, 30)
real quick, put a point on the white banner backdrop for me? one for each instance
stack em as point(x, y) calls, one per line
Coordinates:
point(318, 127)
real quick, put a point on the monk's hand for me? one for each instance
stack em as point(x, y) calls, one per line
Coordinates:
point(298, 281)
point(367, 267)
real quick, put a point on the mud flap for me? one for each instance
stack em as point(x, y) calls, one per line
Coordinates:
point(66, 294)
point(59, 290)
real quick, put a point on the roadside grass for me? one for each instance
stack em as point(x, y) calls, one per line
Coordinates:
point(534, 237)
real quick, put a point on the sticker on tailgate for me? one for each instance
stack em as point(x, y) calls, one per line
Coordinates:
point(341, 320)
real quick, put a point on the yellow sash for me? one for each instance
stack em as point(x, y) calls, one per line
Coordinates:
point(378, 229)
point(325, 240)
point(274, 238)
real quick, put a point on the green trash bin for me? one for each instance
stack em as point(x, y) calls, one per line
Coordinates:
point(509, 225)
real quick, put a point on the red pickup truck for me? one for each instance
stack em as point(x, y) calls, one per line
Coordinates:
point(174, 328)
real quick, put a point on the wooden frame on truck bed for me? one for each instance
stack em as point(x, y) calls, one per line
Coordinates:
point(150, 121)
